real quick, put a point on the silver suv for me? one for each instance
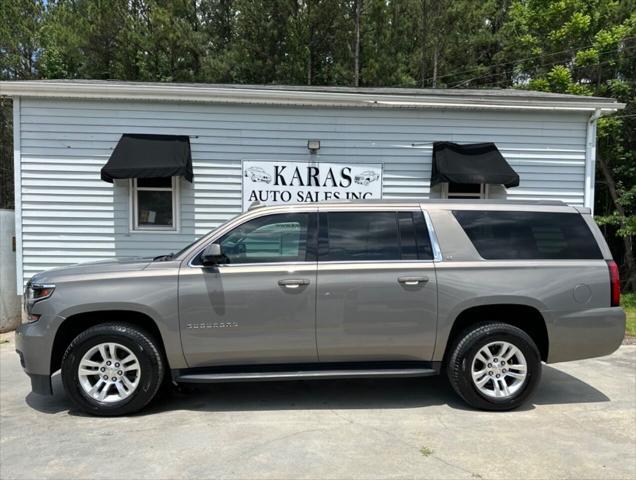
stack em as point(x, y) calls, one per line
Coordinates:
point(483, 291)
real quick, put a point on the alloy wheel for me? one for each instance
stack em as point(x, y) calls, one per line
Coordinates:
point(109, 372)
point(499, 370)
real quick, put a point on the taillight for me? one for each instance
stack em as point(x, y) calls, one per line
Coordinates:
point(615, 284)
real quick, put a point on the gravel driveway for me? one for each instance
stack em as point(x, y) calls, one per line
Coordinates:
point(581, 425)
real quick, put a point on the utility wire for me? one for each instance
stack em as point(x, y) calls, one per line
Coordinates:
point(457, 84)
point(623, 116)
point(497, 83)
point(556, 62)
point(521, 60)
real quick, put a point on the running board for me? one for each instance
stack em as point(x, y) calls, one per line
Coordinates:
point(188, 376)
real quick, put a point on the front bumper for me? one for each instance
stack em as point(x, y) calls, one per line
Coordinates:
point(585, 334)
point(34, 343)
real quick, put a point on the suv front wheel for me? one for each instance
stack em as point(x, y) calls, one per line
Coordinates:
point(494, 366)
point(112, 369)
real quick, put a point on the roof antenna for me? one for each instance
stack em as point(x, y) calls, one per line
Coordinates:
point(253, 205)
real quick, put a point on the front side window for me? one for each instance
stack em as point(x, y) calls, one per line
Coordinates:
point(528, 235)
point(271, 239)
point(154, 203)
point(373, 236)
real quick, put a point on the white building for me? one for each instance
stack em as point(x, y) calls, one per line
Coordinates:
point(382, 139)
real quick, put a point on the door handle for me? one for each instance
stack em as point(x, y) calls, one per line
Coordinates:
point(293, 282)
point(412, 280)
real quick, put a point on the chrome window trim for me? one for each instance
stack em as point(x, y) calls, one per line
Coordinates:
point(264, 264)
point(330, 262)
point(256, 213)
point(437, 252)
point(377, 262)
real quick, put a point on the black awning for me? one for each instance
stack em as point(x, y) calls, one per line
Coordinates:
point(474, 163)
point(149, 156)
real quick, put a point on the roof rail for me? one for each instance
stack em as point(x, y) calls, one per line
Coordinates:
point(255, 204)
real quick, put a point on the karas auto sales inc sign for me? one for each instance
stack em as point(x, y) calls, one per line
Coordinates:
point(272, 182)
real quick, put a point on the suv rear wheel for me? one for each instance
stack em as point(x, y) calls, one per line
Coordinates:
point(494, 366)
point(112, 369)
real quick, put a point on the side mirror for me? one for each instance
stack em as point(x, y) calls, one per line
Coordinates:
point(212, 255)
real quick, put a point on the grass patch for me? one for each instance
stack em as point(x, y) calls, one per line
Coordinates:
point(628, 302)
point(425, 451)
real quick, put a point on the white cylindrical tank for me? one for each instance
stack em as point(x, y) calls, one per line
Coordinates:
point(9, 300)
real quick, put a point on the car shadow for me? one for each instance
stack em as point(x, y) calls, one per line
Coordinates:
point(556, 387)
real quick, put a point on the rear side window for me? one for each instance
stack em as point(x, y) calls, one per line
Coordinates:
point(529, 235)
point(373, 236)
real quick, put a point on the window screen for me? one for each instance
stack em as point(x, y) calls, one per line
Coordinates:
point(529, 235)
point(373, 236)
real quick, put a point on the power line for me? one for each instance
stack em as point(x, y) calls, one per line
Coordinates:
point(543, 65)
point(623, 116)
point(534, 57)
point(499, 82)
point(505, 82)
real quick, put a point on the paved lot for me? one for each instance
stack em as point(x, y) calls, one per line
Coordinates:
point(582, 424)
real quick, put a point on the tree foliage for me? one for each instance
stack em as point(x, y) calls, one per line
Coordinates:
point(582, 47)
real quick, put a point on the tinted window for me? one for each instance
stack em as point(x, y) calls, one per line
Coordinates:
point(408, 243)
point(369, 236)
point(414, 238)
point(529, 235)
point(274, 238)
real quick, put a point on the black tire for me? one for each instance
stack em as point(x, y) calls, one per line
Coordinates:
point(142, 344)
point(468, 344)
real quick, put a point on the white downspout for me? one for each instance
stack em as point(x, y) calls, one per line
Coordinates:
point(17, 181)
point(590, 159)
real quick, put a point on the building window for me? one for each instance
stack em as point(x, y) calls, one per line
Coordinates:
point(465, 190)
point(154, 204)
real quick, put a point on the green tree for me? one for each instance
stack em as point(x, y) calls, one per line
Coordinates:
point(20, 38)
point(587, 48)
point(20, 48)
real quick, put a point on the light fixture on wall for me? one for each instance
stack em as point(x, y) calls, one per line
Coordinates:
point(313, 146)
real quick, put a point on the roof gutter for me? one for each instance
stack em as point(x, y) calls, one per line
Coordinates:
point(215, 94)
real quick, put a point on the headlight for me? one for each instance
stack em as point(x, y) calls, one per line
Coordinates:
point(37, 292)
point(32, 294)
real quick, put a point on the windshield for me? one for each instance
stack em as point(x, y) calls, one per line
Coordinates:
point(172, 255)
point(183, 250)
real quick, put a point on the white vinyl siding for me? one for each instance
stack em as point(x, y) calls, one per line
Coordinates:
point(70, 215)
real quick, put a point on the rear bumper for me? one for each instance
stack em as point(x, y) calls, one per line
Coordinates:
point(585, 334)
